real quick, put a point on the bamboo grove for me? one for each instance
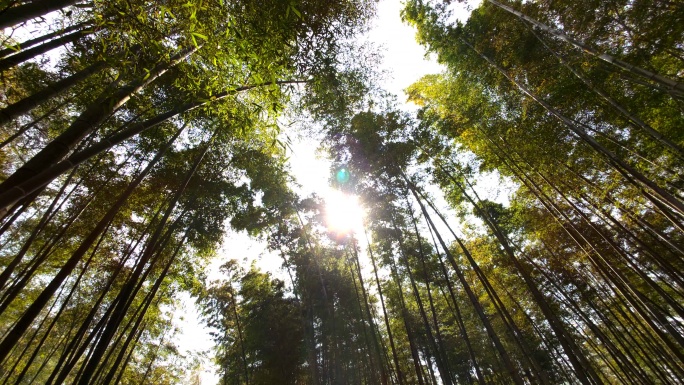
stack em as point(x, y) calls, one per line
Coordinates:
point(151, 128)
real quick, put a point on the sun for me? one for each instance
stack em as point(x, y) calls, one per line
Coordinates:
point(343, 213)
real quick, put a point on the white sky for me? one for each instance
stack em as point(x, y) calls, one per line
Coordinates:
point(405, 63)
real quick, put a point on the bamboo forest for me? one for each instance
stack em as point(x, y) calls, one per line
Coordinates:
point(520, 210)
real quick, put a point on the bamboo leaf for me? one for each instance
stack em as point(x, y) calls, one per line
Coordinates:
point(203, 37)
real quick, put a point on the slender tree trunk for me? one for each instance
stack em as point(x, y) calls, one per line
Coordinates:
point(457, 312)
point(32, 42)
point(49, 355)
point(625, 361)
point(373, 355)
point(37, 330)
point(55, 318)
point(441, 365)
point(374, 331)
point(649, 315)
point(620, 276)
point(24, 129)
point(28, 11)
point(20, 57)
point(149, 366)
point(636, 121)
point(38, 179)
point(125, 295)
point(621, 326)
point(47, 215)
point(583, 369)
point(400, 375)
point(137, 281)
point(620, 251)
point(428, 360)
point(647, 227)
point(491, 292)
point(72, 353)
point(510, 366)
point(23, 278)
point(636, 241)
point(129, 356)
point(628, 172)
point(312, 357)
point(152, 294)
point(86, 123)
point(30, 102)
point(135, 318)
point(421, 253)
point(39, 303)
point(15, 211)
point(240, 337)
point(664, 81)
point(404, 315)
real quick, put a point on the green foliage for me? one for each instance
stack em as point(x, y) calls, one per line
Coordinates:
point(100, 254)
point(574, 276)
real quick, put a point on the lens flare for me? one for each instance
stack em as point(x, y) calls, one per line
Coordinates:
point(342, 176)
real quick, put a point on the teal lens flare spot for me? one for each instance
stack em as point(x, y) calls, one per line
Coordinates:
point(342, 176)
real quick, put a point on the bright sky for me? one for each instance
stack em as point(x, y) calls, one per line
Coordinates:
point(405, 63)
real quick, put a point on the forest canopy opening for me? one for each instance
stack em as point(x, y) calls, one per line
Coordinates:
point(138, 138)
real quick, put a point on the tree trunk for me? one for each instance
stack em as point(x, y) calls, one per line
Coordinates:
point(25, 105)
point(23, 129)
point(28, 11)
point(664, 81)
point(510, 366)
point(39, 303)
point(151, 295)
point(47, 215)
point(125, 294)
point(72, 353)
point(15, 289)
point(86, 123)
point(400, 375)
point(373, 354)
point(38, 329)
point(628, 172)
point(440, 342)
point(134, 320)
point(492, 294)
point(649, 315)
point(65, 303)
point(583, 369)
point(621, 252)
point(148, 368)
point(40, 39)
point(375, 333)
point(407, 325)
point(239, 330)
point(20, 57)
point(457, 311)
point(441, 364)
point(40, 178)
point(636, 121)
point(129, 356)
